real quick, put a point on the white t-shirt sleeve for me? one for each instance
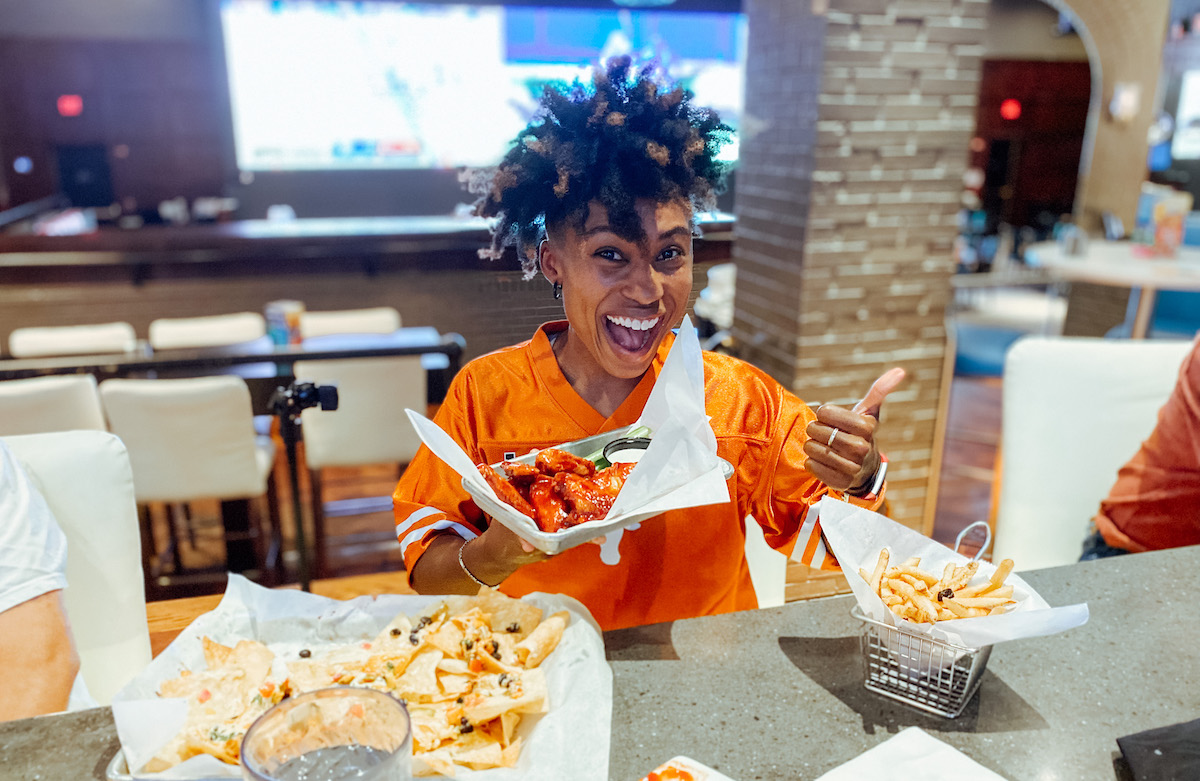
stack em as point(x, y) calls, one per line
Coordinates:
point(33, 549)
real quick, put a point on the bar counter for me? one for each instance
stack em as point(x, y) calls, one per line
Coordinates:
point(778, 694)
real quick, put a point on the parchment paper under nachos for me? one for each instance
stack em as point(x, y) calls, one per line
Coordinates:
point(679, 469)
point(571, 741)
point(856, 536)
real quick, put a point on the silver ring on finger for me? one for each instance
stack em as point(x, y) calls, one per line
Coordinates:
point(832, 436)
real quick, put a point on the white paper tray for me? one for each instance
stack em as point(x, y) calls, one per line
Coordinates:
point(556, 542)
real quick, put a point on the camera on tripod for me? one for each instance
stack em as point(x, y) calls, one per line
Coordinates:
point(300, 395)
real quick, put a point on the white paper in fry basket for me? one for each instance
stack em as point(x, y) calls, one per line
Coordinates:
point(571, 741)
point(679, 469)
point(856, 536)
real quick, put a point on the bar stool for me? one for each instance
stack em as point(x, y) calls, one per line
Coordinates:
point(372, 320)
point(368, 427)
point(42, 404)
point(172, 333)
point(193, 439)
point(38, 342)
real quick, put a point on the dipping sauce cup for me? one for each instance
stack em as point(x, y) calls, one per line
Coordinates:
point(330, 734)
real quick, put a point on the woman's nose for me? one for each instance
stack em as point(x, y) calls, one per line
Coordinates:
point(645, 284)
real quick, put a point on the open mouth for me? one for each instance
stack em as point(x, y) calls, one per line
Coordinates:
point(632, 334)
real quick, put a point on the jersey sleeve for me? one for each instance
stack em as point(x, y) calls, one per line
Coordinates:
point(429, 499)
point(782, 509)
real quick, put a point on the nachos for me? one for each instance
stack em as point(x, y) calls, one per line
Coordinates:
point(467, 668)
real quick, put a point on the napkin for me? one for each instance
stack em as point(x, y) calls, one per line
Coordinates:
point(679, 469)
point(914, 755)
point(856, 535)
point(1164, 754)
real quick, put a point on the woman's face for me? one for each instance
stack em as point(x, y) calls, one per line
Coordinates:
point(621, 294)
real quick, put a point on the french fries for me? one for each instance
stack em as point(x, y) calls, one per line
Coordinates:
point(911, 593)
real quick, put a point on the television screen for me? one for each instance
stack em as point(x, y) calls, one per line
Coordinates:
point(386, 85)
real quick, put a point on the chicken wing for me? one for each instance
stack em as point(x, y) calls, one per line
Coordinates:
point(507, 492)
point(520, 474)
point(552, 461)
point(550, 508)
point(585, 500)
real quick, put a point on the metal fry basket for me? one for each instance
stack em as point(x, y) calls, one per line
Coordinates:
point(919, 671)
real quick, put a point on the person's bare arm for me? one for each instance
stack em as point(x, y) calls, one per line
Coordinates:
point(491, 557)
point(40, 661)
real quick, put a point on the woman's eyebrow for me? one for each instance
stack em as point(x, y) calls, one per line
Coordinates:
point(681, 230)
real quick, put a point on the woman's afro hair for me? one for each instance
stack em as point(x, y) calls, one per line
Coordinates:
point(629, 136)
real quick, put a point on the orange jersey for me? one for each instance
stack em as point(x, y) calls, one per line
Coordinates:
point(680, 564)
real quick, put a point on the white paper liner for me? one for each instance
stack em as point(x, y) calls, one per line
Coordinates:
point(855, 536)
point(571, 741)
point(679, 469)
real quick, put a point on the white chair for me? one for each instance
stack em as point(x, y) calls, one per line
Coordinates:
point(373, 320)
point(368, 427)
point(192, 439)
point(43, 404)
point(72, 340)
point(171, 333)
point(86, 479)
point(1074, 411)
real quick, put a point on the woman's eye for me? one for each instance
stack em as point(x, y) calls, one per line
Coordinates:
point(671, 253)
point(609, 254)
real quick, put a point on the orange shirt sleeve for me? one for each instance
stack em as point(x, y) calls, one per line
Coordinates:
point(782, 504)
point(1155, 502)
point(429, 499)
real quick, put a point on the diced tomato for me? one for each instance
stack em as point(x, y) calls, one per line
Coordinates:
point(367, 646)
point(653, 776)
point(266, 690)
point(204, 696)
point(475, 665)
point(356, 710)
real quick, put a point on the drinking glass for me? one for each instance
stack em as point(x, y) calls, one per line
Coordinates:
point(329, 735)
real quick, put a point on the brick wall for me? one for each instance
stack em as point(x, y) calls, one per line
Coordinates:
point(859, 116)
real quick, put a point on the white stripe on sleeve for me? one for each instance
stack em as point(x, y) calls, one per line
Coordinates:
point(405, 526)
point(819, 553)
point(419, 534)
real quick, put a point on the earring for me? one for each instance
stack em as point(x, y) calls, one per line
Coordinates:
point(557, 291)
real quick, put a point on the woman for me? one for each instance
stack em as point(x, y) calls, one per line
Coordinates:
point(598, 194)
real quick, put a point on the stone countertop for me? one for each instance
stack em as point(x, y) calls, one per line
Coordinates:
point(777, 693)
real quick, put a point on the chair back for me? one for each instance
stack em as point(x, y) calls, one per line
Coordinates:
point(42, 404)
point(1074, 411)
point(188, 439)
point(72, 340)
point(171, 333)
point(86, 480)
point(369, 425)
point(373, 320)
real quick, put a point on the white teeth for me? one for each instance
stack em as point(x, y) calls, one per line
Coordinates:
point(636, 325)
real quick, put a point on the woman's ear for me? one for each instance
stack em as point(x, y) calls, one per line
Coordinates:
point(549, 262)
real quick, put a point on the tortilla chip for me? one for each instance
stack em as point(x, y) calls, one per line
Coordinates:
point(477, 750)
point(507, 615)
point(215, 654)
point(543, 640)
point(447, 638)
point(454, 685)
point(430, 727)
point(419, 681)
point(522, 692)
